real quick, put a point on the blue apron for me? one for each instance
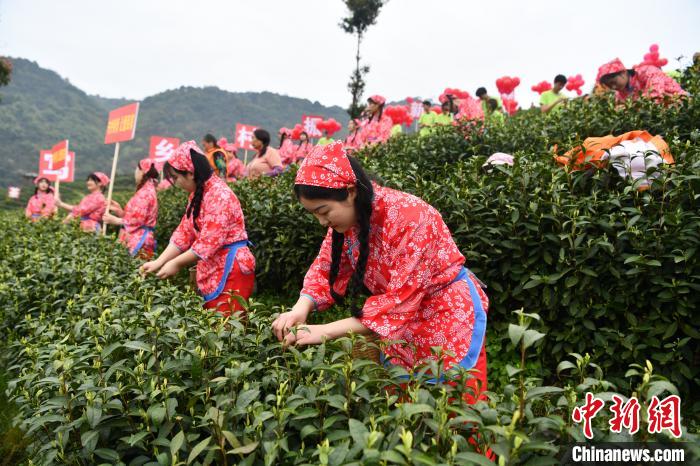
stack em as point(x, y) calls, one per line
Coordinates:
point(228, 266)
point(479, 331)
point(144, 236)
point(85, 218)
point(36, 215)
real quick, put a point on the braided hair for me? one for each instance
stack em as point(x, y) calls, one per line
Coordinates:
point(202, 173)
point(149, 175)
point(282, 139)
point(264, 137)
point(378, 114)
point(363, 210)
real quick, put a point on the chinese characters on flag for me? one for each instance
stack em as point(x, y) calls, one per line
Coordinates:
point(121, 124)
point(59, 153)
point(308, 122)
point(162, 149)
point(244, 136)
point(48, 169)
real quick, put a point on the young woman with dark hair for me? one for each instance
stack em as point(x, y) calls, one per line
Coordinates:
point(215, 155)
point(377, 127)
point(211, 234)
point(287, 148)
point(267, 160)
point(304, 148)
point(397, 249)
point(352, 141)
point(43, 203)
point(92, 207)
point(138, 218)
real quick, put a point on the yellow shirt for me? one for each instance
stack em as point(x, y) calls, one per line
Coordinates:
point(549, 97)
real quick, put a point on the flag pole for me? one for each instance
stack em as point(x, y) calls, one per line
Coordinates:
point(111, 184)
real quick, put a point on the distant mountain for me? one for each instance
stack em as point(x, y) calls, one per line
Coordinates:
point(39, 107)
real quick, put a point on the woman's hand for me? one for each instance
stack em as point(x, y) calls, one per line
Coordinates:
point(285, 321)
point(168, 270)
point(150, 267)
point(111, 219)
point(116, 208)
point(306, 335)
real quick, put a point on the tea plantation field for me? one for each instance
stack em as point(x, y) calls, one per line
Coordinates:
point(594, 287)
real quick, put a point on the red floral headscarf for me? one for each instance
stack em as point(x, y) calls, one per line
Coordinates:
point(104, 179)
point(327, 167)
point(145, 165)
point(181, 159)
point(377, 99)
point(614, 66)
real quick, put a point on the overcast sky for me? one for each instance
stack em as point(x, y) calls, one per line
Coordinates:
point(136, 48)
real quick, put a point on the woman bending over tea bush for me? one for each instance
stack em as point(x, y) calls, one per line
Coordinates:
point(211, 234)
point(138, 218)
point(396, 248)
point(642, 80)
point(91, 207)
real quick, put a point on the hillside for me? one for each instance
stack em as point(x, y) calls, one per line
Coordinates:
point(39, 107)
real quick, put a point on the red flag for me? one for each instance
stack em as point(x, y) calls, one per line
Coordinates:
point(162, 149)
point(48, 170)
point(244, 136)
point(58, 153)
point(121, 124)
point(308, 122)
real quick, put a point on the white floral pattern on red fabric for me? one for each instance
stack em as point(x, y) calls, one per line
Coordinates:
point(374, 131)
point(613, 66)
point(650, 81)
point(91, 206)
point(328, 167)
point(141, 211)
point(220, 223)
point(42, 204)
point(181, 158)
point(411, 265)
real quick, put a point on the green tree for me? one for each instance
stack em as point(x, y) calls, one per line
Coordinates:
point(362, 14)
point(5, 71)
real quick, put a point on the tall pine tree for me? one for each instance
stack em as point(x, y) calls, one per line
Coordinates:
point(361, 15)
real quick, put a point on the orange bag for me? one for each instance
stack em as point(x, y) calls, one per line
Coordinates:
point(595, 148)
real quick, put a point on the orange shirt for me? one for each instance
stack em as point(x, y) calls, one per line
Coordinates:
point(210, 157)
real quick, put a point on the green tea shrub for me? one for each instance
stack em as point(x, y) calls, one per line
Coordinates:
point(111, 368)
